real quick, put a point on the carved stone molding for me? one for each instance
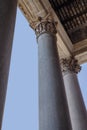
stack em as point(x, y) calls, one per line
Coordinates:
point(46, 26)
point(70, 64)
point(35, 10)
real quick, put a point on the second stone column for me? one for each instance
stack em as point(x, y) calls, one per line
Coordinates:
point(53, 110)
point(77, 110)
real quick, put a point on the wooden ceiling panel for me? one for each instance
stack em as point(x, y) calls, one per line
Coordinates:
point(73, 16)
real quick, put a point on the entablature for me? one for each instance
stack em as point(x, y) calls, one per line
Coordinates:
point(36, 11)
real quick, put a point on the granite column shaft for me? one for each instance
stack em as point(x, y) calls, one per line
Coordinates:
point(77, 110)
point(53, 110)
point(7, 22)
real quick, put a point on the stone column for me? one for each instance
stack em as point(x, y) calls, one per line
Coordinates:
point(53, 110)
point(7, 21)
point(77, 109)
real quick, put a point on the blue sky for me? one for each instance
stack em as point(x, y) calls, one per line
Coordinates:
point(21, 108)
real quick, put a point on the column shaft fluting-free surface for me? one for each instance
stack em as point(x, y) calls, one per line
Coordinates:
point(7, 22)
point(53, 110)
point(77, 109)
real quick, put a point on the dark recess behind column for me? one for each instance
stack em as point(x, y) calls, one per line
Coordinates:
point(73, 16)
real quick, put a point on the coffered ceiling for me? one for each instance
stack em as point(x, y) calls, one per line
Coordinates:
point(73, 16)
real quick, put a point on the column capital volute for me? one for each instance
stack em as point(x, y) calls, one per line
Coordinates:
point(70, 64)
point(46, 26)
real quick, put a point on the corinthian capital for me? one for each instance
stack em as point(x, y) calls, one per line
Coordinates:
point(70, 64)
point(46, 26)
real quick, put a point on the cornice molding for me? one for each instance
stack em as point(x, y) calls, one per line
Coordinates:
point(82, 57)
point(80, 51)
point(80, 47)
point(35, 11)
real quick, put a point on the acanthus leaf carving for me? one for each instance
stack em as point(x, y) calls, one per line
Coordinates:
point(70, 64)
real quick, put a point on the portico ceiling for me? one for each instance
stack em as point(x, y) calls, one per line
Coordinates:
point(73, 16)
